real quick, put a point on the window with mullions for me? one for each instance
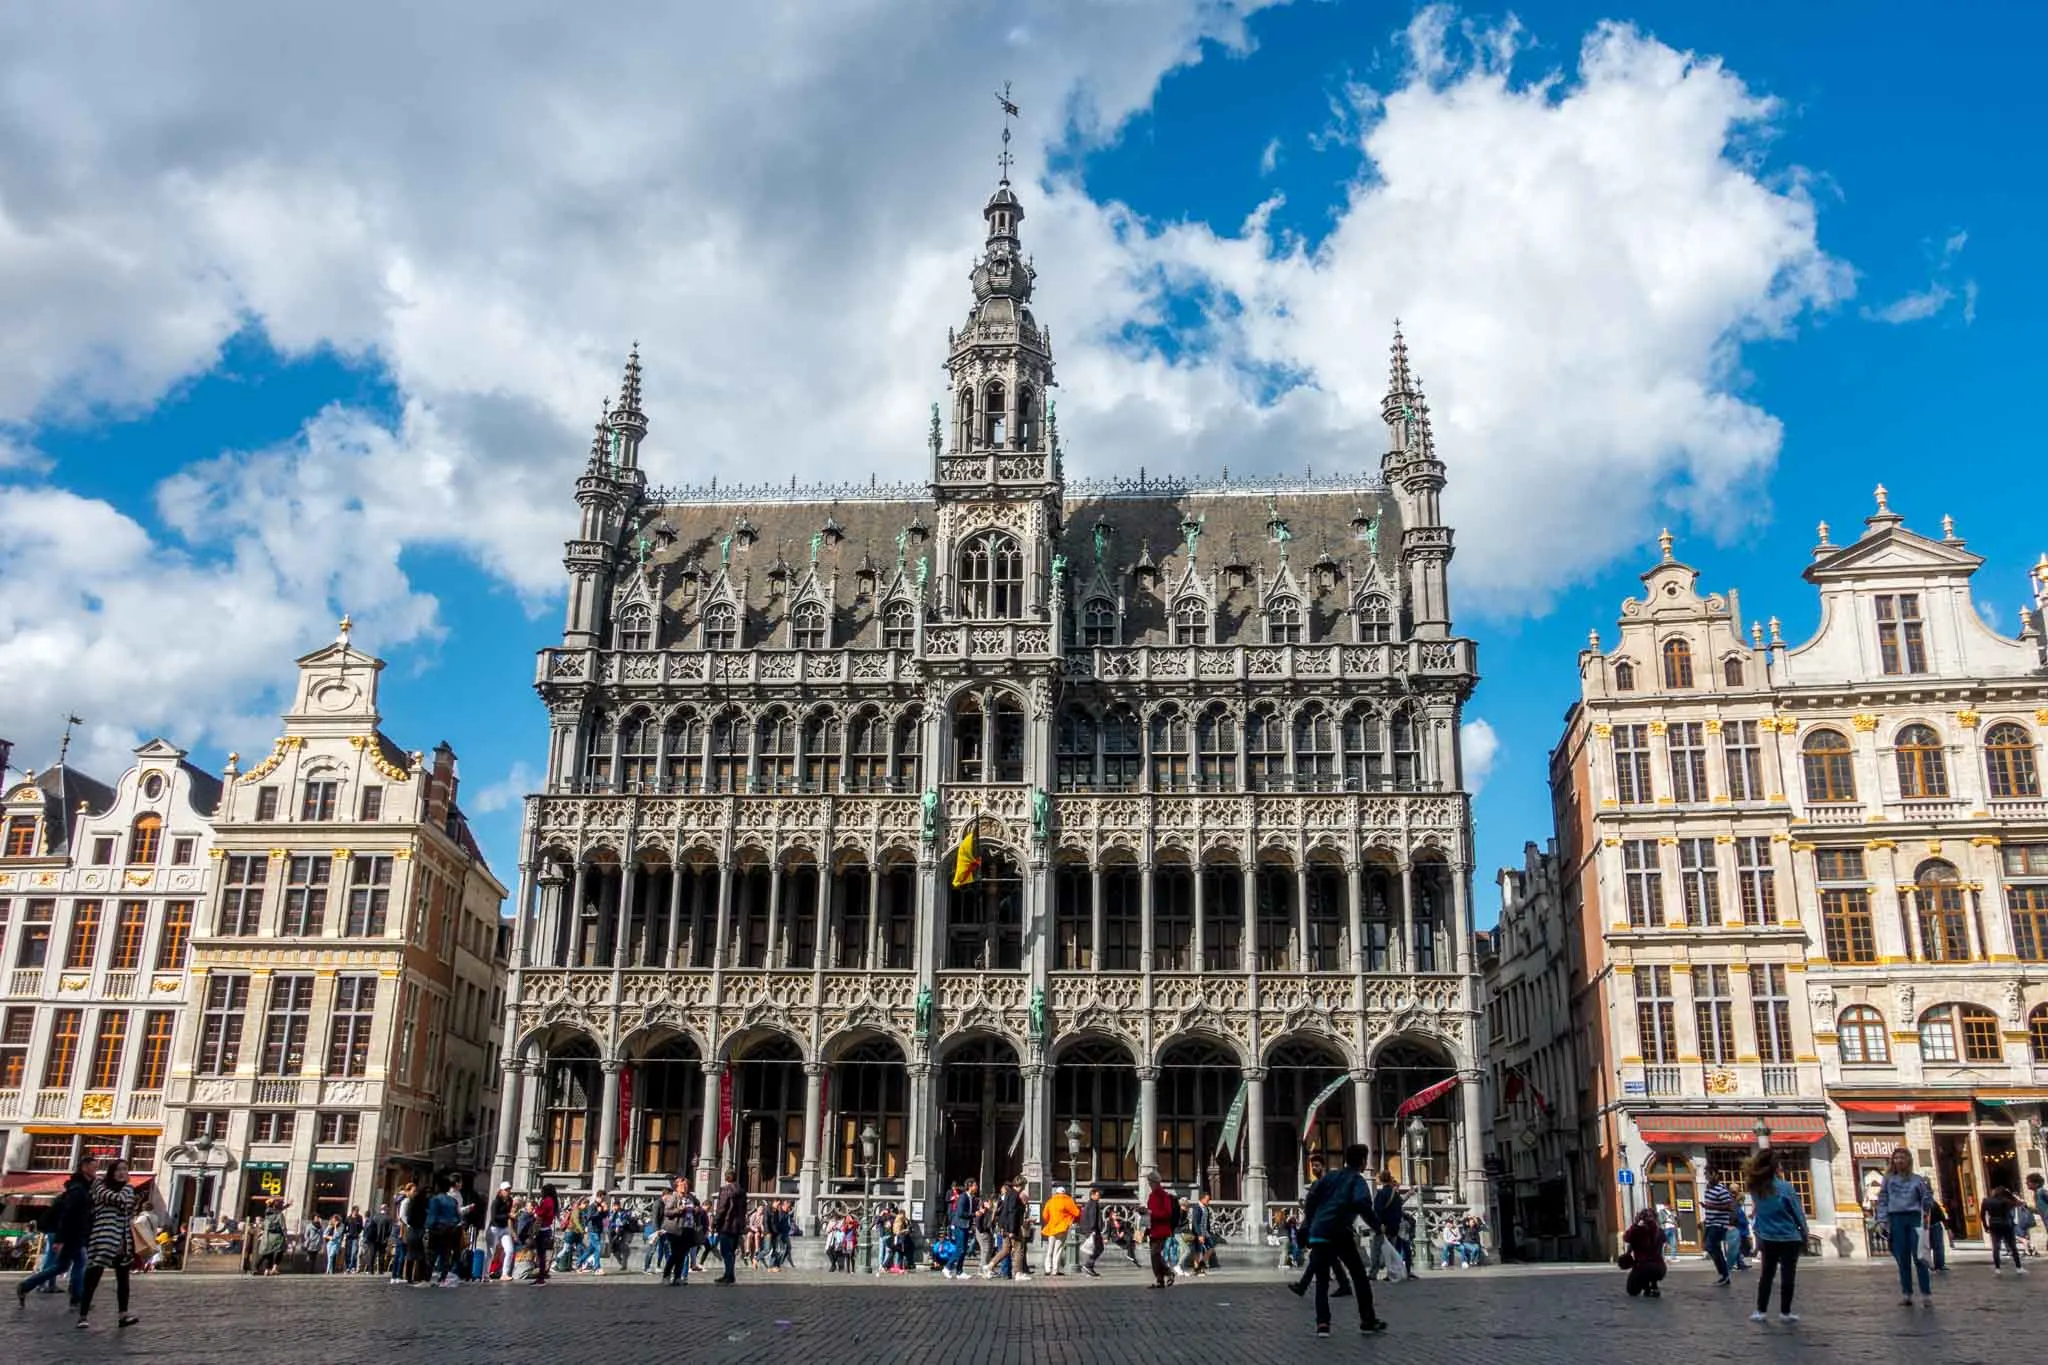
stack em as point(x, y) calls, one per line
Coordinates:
point(1966, 1034)
point(1677, 664)
point(1098, 622)
point(1222, 919)
point(1771, 1004)
point(1273, 925)
point(1901, 639)
point(1756, 880)
point(807, 626)
point(1631, 764)
point(1642, 883)
point(369, 896)
point(2037, 1034)
point(1829, 767)
point(1847, 934)
point(775, 752)
point(1745, 760)
point(821, 751)
point(1095, 1086)
point(1686, 743)
point(1923, 769)
point(285, 1024)
point(1699, 882)
point(867, 751)
point(1283, 621)
point(599, 743)
point(639, 752)
point(1169, 750)
point(870, 1089)
point(108, 1043)
point(1265, 749)
point(1860, 1037)
point(1073, 918)
point(1376, 621)
point(682, 742)
point(1216, 750)
point(909, 769)
point(241, 900)
point(1365, 763)
point(721, 626)
point(1123, 918)
point(1329, 912)
point(85, 936)
point(34, 948)
point(2009, 766)
point(320, 800)
point(991, 578)
point(728, 751)
point(305, 895)
point(1315, 750)
point(153, 1060)
point(1173, 918)
point(635, 629)
point(1656, 1010)
point(1190, 622)
point(1406, 739)
point(1123, 750)
point(348, 1038)
point(220, 1025)
point(1943, 917)
point(2026, 898)
point(899, 626)
point(985, 918)
point(1713, 1005)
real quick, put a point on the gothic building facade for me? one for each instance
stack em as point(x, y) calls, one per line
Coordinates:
point(1206, 737)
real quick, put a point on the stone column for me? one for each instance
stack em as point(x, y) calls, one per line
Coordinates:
point(1301, 910)
point(1355, 921)
point(572, 923)
point(673, 946)
point(1146, 910)
point(710, 1162)
point(1471, 1105)
point(531, 1097)
point(807, 1178)
point(510, 1097)
point(622, 917)
point(608, 1126)
point(1095, 916)
point(1201, 944)
point(774, 957)
point(1461, 917)
point(722, 931)
point(1362, 1125)
point(1148, 1120)
point(917, 1175)
point(1036, 1125)
point(821, 919)
point(1255, 1182)
point(1407, 915)
point(873, 960)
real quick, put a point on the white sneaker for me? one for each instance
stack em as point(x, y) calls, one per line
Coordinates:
point(1023, 1275)
point(1756, 1317)
point(949, 1272)
point(1997, 1272)
point(2019, 1270)
point(1788, 1317)
point(1927, 1300)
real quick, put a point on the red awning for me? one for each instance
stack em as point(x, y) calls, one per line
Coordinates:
point(31, 1184)
point(1733, 1129)
point(1905, 1106)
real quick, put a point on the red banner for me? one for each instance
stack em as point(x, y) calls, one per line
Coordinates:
point(724, 1117)
point(626, 1105)
point(1425, 1097)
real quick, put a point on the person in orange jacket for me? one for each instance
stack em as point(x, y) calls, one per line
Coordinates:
point(1054, 1220)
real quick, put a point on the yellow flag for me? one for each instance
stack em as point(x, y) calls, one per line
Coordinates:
point(966, 866)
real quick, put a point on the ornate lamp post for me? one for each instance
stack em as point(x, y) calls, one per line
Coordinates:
point(1418, 1165)
point(1073, 1166)
point(868, 1139)
point(1763, 1135)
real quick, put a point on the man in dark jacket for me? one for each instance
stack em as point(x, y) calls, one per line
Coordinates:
point(729, 1221)
point(70, 1226)
point(376, 1240)
point(415, 1233)
point(1333, 1204)
point(1090, 1227)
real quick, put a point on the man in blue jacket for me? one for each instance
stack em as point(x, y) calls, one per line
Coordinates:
point(1333, 1204)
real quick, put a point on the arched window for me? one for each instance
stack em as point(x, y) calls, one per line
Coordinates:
point(1860, 1036)
point(1731, 670)
point(1283, 621)
point(1265, 749)
point(639, 737)
point(2037, 1034)
point(635, 628)
point(1960, 1033)
point(1624, 676)
point(1375, 620)
point(1074, 764)
point(1123, 749)
point(1169, 750)
point(899, 626)
point(1190, 622)
point(1938, 903)
point(1216, 749)
point(775, 752)
point(991, 578)
point(682, 741)
point(807, 626)
point(909, 773)
point(970, 755)
point(2009, 762)
point(867, 751)
point(599, 737)
point(1365, 759)
point(143, 839)
point(728, 751)
point(994, 412)
point(1677, 663)
point(1027, 417)
point(1098, 622)
point(821, 751)
point(1830, 771)
point(1315, 750)
point(721, 626)
point(1407, 745)
point(1923, 771)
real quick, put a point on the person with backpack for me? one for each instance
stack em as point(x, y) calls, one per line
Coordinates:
point(1332, 1205)
point(1162, 1216)
point(65, 1232)
point(444, 1234)
point(1090, 1226)
point(2000, 1211)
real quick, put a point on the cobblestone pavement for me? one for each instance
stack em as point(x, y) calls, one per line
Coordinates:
point(1526, 1316)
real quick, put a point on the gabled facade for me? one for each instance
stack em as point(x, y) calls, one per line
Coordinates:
point(99, 890)
point(1206, 738)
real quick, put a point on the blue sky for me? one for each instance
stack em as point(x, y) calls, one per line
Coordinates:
point(288, 339)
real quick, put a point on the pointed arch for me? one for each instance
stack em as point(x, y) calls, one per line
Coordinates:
point(1190, 621)
point(807, 626)
point(634, 628)
point(721, 626)
point(1375, 619)
point(899, 625)
point(991, 577)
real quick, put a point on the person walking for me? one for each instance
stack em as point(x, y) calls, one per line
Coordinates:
point(541, 1233)
point(1387, 1208)
point(414, 1218)
point(70, 1227)
point(2037, 1200)
point(1717, 1216)
point(1905, 1206)
point(1201, 1234)
point(111, 1244)
point(1161, 1213)
point(729, 1221)
point(1090, 1226)
point(682, 1223)
point(2000, 1212)
point(1780, 1232)
point(498, 1233)
point(444, 1234)
point(1643, 1256)
point(1331, 1206)
point(1010, 1214)
point(1059, 1215)
point(270, 1246)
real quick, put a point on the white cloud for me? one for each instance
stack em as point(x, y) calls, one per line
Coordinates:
point(506, 791)
point(1269, 159)
point(1922, 304)
point(1481, 747)
point(494, 207)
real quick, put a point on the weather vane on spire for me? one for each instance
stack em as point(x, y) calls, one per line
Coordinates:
point(1010, 111)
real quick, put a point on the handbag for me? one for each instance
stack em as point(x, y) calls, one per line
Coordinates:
point(1625, 1261)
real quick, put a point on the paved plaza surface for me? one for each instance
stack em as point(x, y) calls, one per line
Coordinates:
point(1524, 1316)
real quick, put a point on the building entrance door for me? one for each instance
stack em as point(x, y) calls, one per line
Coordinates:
point(1957, 1180)
point(1669, 1182)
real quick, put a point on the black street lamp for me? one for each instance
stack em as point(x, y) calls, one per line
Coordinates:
point(1073, 1183)
point(868, 1140)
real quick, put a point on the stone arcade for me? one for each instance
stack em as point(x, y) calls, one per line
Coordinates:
point(1207, 736)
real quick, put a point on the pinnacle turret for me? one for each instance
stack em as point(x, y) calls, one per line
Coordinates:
point(629, 387)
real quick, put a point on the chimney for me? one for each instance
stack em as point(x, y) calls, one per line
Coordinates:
point(441, 784)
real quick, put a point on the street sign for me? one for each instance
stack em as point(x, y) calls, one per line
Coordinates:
point(1626, 1176)
point(1635, 1088)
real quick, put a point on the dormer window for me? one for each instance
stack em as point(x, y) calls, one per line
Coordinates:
point(807, 626)
point(721, 626)
point(144, 839)
point(21, 836)
point(993, 413)
point(1376, 620)
point(899, 626)
point(1283, 621)
point(1731, 670)
point(1098, 622)
point(1677, 664)
point(1190, 622)
point(635, 629)
point(1901, 638)
point(1624, 676)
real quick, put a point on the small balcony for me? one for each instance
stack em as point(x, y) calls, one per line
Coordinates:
point(1663, 1081)
point(1851, 814)
point(1781, 1080)
point(51, 1104)
point(25, 981)
point(272, 1090)
point(120, 986)
point(146, 1107)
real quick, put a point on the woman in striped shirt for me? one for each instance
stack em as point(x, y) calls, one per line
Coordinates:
point(111, 1243)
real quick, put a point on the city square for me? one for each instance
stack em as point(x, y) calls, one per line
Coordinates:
point(1201, 784)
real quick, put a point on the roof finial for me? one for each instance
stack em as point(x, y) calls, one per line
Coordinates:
point(1010, 111)
point(629, 388)
point(1882, 505)
point(346, 626)
point(1824, 533)
point(1664, 543)
point(1948, 527)
point(1399, 381)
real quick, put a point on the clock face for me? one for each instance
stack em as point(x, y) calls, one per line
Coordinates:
point(334, 696)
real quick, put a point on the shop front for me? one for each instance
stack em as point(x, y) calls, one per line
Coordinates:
point(1681, 1152)
point(1965, 1145)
